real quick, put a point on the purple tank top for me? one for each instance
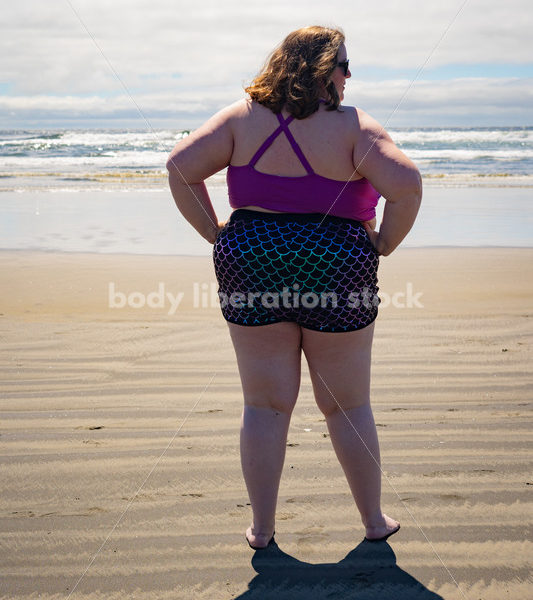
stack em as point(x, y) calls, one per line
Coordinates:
point(309, 193)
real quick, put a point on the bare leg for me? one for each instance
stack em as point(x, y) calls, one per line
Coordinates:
point(339, 365)
point(263, 444)
point(269, 360)
point(354, 438)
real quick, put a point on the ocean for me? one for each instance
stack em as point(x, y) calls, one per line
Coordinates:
point(106, 190)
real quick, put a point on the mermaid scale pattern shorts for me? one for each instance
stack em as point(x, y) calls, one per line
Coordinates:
point(315, 270)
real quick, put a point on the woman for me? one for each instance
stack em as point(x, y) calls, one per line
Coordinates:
point(297, 261)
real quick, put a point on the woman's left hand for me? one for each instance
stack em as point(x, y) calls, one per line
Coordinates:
point(373, 235)
point(370, 224)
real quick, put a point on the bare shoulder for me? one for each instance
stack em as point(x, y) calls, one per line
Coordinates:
point(208, 148)
point(347, 122)
point(228, 113)
point(249, 118)
point(239, 114)
point(369, 127)
point(348, 113)
point(239, 108)
point(246, 107)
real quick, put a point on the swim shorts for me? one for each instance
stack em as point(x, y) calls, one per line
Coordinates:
point(315, 270)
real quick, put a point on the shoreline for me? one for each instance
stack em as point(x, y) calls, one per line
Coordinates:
point(137, 180)
point(38, 251)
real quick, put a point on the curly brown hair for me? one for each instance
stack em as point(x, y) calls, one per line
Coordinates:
point(297, 70)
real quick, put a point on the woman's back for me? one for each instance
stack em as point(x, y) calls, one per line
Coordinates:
point(282, 164)
point(326, 138)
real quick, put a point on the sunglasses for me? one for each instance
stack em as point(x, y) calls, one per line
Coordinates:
point(344, 66)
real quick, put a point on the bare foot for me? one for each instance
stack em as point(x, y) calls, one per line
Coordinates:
point(383, 530)
point(258, 540)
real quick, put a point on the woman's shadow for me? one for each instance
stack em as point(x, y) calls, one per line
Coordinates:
point(368, 572)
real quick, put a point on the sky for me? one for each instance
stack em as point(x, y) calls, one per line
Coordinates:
point(171, 64)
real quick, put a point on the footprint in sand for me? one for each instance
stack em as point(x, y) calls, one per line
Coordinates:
point(23, 513)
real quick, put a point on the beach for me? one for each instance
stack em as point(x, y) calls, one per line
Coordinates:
point(120, 412)
point(120, 397)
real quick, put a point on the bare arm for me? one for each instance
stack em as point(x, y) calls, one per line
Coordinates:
point(195, 158)
point(394, 176)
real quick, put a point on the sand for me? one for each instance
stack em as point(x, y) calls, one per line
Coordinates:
point(120, 454)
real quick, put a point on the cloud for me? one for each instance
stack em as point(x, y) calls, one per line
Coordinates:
point(177, 57)
point(468, 101)
point(474, 101)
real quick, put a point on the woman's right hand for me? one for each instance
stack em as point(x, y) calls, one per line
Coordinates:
point(220, 227)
